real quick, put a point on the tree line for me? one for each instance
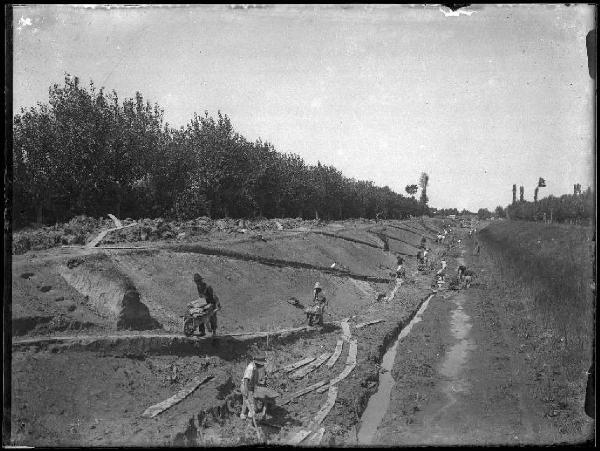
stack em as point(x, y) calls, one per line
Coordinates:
point(576, 208)
point(87, 152)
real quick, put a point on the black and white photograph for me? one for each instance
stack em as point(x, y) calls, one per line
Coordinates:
point(312, 225)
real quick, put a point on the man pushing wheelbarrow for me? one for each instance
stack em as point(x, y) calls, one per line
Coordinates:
point(202, 312)
point(314, 313)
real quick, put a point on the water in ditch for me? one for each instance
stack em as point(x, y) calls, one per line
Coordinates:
point(379, 402)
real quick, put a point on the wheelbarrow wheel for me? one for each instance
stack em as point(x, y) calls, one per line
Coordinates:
point(234, 403)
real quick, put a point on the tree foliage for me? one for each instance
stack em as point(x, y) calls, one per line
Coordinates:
point(575, 208)
point(411, 190)
point(87, 152)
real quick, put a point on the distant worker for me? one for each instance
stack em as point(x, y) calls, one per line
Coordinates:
point(249, 384)
point(423, 242)
point(461, 272)
point(468, 278)
point(317, 310)
point(207, 293)
point(420, 256)
point(425, 258)
point(400, 271)
point(477, 248)
point(442, 272)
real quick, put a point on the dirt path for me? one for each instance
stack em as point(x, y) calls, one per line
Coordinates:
point(463, 378)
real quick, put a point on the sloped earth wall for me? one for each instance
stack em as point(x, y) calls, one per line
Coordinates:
point(109, 291)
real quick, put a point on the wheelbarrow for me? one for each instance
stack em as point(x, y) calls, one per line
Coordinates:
point(198, 313)
point(264, 399)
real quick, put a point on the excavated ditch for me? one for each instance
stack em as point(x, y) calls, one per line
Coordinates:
point(378, 403)
point(107, 288)
point(109, 292)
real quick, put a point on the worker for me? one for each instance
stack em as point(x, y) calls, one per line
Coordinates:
point(442, 272)
point(400, 271)
point(249, 383)
point(468, 278)
point(319, 303)
point(420, 256)
point(206, 291)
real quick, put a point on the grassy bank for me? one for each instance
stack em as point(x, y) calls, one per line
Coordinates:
point(552, 267)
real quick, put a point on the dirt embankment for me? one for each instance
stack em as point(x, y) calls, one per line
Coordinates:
point(106, 411)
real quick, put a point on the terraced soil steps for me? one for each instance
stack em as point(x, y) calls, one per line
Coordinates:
point(352, 240)
point(195, 248)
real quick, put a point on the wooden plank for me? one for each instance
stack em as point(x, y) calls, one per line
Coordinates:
point(368, 323)
point(303, 391)
point(347, 370)
point(352, 352)
point(298, 364)
point(336, 354)
point(299, 436)
point(99, 238)
point(311, 367)
point(346, 330)
point(331, 397)
point(102, 234)
point(154, 410)
point(316, 437)
point(117, 222)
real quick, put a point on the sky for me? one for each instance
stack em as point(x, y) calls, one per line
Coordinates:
point(480, 99)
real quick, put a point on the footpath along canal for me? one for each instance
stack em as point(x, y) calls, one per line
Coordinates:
point(457, 378)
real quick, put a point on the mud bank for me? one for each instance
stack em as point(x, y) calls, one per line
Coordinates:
point(226, 346)
point(108, 291)
point(379, 402)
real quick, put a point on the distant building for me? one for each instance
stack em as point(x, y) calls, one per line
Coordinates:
point(452, 216)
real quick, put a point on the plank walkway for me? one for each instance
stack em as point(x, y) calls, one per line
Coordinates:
point(368, 323)
point(350, 364)
point(331, 397)
point(298, 364)
point(311, 367)
point(346, 330)
point(317, 434)
point(336, 353)
point(303, 391)
point(154, 410)
point(315, 438)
